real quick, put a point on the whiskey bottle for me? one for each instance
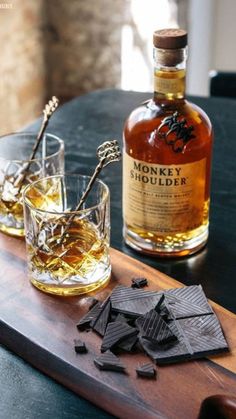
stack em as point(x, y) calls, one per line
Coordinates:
point(167, 160)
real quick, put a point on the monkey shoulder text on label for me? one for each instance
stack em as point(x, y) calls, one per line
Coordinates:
point(163, 198)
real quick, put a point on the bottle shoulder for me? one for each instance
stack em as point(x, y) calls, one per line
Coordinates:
point(152, 112)
point(169, 132)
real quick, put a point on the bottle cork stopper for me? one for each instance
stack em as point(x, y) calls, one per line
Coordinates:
point(170, 38)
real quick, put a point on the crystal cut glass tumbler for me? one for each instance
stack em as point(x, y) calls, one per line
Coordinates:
point(67, 250)
point(15, 151)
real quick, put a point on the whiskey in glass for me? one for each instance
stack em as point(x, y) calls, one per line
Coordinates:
point(68, 251)
point(15, 150)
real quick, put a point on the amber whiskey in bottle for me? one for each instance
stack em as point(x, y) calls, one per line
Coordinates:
point(167, 160)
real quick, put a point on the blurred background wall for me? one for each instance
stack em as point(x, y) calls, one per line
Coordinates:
point(70, 47)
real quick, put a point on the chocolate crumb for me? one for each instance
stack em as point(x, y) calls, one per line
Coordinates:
point(80, 347)
point(139, 282)
point(146, 370)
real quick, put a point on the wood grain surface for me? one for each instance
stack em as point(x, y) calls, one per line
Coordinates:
point(41, 329)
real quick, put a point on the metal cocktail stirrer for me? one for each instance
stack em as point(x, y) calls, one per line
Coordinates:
point(49, 109)
point(107, 153)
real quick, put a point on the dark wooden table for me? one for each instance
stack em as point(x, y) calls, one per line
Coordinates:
point(83, 124)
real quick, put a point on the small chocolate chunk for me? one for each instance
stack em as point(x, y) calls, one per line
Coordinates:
point(84, 323)
point(117, 332)
point(139, 282)
point(99, 323)
point(153, 328)
point(110, 362)
point(80, 347)
point(146, 370)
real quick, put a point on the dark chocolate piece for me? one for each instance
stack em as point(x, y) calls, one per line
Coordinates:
point(116, 332)
point(121, 318)
point(128, 344)
point(153, 328)
point(126, 319)
point(182, 302)
point(198, 337)
point(204, 334)
point(93, 302)
point(146, 370)
point(187, 302)
point(108, 361)
point(162, 309)
point(159, 304)
point(99, 323)
point(80, 347)
point(133, 302)
point(84, 323)
point(164, 354)
point(139, 282)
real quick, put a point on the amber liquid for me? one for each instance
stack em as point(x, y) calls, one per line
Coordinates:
point(78, 264)
point(141, 142)
point(11, 207)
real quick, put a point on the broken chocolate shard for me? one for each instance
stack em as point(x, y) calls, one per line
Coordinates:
point(126, 319)
point(110, 362)
point(153, 328)
point(121, 318)
point(139, 282)
point(93, 302)
point(187, 302)
point(116, 332)
point(162, 309)
point(99, 323)
point(85, 321)
point(122, 293)
point(133, 302)
point(146, 370)
point(166, 354)
point(80, 347)
point(158, 306)
point(128, 344)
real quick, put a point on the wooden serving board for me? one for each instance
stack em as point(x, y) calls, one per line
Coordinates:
point(41, 328)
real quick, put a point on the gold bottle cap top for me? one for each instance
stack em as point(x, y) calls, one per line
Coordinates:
point(170, 38)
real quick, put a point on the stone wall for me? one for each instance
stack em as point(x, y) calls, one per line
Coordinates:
point(22, 69)
point(83, 44)
point(61, 47)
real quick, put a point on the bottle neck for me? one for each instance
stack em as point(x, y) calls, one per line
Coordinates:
point(169, 73)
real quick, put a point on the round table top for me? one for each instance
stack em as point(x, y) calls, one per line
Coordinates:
point(83, 124)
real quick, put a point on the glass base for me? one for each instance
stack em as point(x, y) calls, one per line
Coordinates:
point(175, 246)
point(12, 231)
point(72, 289)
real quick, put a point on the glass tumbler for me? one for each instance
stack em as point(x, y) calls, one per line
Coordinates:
point(15, 150)
point(67, 250)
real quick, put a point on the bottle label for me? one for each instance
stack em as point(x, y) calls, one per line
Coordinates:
point(163, 198)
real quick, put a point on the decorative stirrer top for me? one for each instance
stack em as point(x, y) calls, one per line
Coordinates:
point(108, 152)
point(49, 109)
